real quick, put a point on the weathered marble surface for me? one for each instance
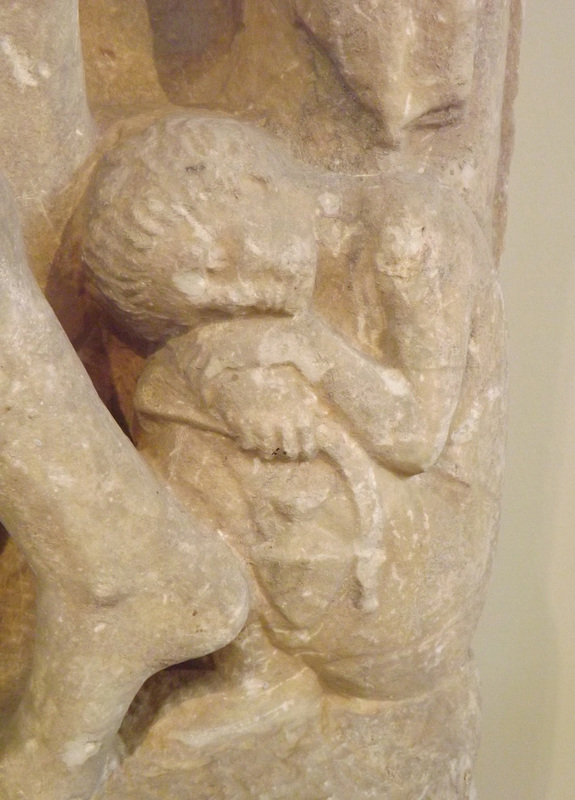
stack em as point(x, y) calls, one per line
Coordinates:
point(275, 252)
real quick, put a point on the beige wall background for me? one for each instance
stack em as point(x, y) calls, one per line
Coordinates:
point(526, 642)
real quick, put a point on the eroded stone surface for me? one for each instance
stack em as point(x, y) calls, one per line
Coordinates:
point(112, 551)
point(290, 299)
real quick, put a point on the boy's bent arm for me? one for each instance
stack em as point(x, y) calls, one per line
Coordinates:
point(400, 403)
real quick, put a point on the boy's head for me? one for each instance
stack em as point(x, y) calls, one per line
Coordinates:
point(199, 214)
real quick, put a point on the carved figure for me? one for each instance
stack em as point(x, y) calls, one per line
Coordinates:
point(395, 379)
point(307, 270)
point(246, 246)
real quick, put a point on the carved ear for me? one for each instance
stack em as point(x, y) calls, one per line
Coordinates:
point(408, 62)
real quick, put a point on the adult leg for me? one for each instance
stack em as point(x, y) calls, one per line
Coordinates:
point(127, 581)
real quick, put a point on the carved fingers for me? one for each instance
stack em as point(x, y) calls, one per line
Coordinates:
point(271, 411)
point(288, 439)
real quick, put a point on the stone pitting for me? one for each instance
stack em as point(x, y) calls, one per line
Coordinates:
point(252, 455)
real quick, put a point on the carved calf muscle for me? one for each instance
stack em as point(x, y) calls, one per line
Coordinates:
point(127, 581)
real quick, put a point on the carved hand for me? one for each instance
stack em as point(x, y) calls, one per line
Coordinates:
point(270, 410)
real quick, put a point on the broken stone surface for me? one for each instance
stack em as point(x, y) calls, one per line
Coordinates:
point(278, 263)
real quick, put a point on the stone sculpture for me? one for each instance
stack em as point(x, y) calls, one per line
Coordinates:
point(290, 298)
point(109, 547)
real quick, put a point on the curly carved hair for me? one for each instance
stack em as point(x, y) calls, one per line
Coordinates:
point(172, 199)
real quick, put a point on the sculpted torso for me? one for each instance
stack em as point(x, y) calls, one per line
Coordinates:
point(323, 385)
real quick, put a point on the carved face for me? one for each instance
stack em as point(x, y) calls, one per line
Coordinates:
point(248, 247)
point(200, 214)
